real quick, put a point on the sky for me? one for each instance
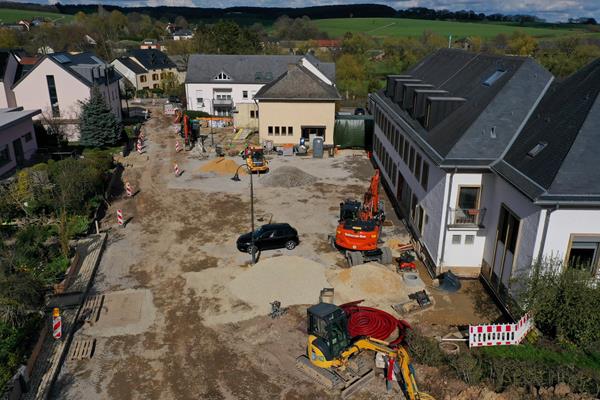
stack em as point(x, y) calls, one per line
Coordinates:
point(551, 10)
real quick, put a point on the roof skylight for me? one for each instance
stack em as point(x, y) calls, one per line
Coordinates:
point(494, 77)
point(537, 149)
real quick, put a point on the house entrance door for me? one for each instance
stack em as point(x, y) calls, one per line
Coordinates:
point(18, 148)
point(504, 253)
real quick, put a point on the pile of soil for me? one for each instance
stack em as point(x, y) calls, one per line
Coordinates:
point(379, 286)
point(288, 177)
point(222, 166)
point(289, 279)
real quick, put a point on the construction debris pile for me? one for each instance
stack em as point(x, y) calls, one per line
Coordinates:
point(221, 166)
point(288, 177)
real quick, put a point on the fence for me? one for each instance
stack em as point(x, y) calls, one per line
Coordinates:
point(500, 334)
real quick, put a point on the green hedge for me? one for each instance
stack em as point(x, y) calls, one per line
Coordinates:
point(196, 114)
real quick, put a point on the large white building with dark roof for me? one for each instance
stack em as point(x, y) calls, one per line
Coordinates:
point(221, 84)
point(491, 162)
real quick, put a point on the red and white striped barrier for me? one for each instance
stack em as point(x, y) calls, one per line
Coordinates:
point(142, 135)
point(500, 334)
point(177, 147)
point(56, 324)
point(176, 169)
point(120, 217)
point(128, 189)
point(139, 146)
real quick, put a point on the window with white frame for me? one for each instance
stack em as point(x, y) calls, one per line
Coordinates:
point(222, 76)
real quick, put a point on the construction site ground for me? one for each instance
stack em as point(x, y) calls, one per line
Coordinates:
point(185, 314)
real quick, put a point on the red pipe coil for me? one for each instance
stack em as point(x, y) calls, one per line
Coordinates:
point(374, 323)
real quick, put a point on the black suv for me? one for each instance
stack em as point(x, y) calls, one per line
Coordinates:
point(270, 236)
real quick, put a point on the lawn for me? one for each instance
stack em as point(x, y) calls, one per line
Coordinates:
point(9, 15)
point(397, 27)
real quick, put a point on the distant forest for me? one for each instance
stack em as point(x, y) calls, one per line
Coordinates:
point(249, 15)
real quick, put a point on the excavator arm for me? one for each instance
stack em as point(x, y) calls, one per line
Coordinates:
point(397, 356)
point(371, 198)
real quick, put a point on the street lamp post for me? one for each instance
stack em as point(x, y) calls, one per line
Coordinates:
point(236, 178)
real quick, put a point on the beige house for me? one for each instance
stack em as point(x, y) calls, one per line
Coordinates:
point(299, 104)
point(147, 69)
point(59, 82)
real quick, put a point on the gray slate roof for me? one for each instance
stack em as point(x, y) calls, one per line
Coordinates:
point(567, 121)
point(297, 83)
point(260, 69)
point(152, 58)
point(464, 138)
point(11, 116)
point(132, 65)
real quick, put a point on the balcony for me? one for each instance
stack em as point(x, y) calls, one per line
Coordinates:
point(222, 102)
point(466, 218)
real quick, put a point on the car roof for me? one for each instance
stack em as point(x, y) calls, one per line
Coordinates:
point(275, 226)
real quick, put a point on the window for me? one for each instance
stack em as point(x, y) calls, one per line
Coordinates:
point(245, 94)
point(418, 167)
point(411, 160)
point(27, 137)
point(420, 219)
point(469, 239)
point(283, 131)
point(494, 77)
point(583, 253)
point(270, 131)
point(290, 130)
point(276, 131)
point(222, 77)
point(413, 207)
point(53, 95)
point(4, 155)
point(252, 114)
point(154, 77)
point(400, 145)
point(143, 78)
point(405, 152)
point(468, 197)
point(456, 239)
point(425, 175)
point(537, 149)
point(163, 75)
point(155, 86)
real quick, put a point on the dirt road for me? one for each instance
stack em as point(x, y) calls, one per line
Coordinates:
point(167, 281)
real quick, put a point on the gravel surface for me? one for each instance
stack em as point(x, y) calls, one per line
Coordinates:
point(288, 177)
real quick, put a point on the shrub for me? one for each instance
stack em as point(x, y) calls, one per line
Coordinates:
point(196, 114)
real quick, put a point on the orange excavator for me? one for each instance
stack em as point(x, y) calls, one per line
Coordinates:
point(359, 228)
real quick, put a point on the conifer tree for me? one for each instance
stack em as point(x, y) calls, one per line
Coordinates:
point(97, 123)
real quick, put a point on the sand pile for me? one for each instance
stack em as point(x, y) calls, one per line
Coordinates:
point(289, 279)
point(222, 166)
point(288, 177)
point(378, 286)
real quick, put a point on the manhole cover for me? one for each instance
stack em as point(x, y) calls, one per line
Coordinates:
point(83, 349)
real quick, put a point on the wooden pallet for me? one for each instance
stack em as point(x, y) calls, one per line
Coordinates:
point(82, 349)
point(92, 308)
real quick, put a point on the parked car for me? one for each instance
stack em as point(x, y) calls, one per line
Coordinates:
point(270, 236)
point(174, 99)
point(359, 111)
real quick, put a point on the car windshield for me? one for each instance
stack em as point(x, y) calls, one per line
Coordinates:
point(257, 233)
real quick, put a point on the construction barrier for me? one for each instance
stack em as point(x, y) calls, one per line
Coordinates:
point(177, 146)
point(139, 146)
point(120, 217)
point(500, 334)
point(128, 189)
point(56, 324)
point(176, 169)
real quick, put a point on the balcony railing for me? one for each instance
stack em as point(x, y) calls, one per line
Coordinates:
point(223, 102)
point(466, 217)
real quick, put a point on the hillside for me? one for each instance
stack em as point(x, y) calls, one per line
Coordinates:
point(397, 27)
point(9, 15)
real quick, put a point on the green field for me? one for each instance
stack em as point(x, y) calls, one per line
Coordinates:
point(397, 27)
point(9, 16)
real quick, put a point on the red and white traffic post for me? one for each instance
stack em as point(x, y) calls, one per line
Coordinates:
point(128, 189)
point(56, 324)
point(176, 169)
point(120, 221)
point(177, 146)
point(139, 146)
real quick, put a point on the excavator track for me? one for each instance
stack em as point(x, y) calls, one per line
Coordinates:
point(322, 376)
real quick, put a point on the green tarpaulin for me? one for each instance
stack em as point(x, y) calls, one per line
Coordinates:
point(353, 131)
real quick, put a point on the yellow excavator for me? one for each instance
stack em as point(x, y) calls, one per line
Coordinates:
point(255, 159)
point(342, 363)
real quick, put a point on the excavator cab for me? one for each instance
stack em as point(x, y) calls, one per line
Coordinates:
point(328, 333)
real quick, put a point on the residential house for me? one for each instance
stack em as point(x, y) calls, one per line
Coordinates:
point(146, 69)
point(298, 104)
point(17, 138)
point(59, 82)
point(183, 34)
point(490, 163)
point(150, 44)
point(226, 84)
point(180, 62)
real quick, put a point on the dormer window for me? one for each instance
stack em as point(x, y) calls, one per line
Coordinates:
point(222, 77)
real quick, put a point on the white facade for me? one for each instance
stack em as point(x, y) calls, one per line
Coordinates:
point(205, 96)
point(125, 72)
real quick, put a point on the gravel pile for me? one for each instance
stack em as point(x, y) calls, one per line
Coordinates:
point(288, 177)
